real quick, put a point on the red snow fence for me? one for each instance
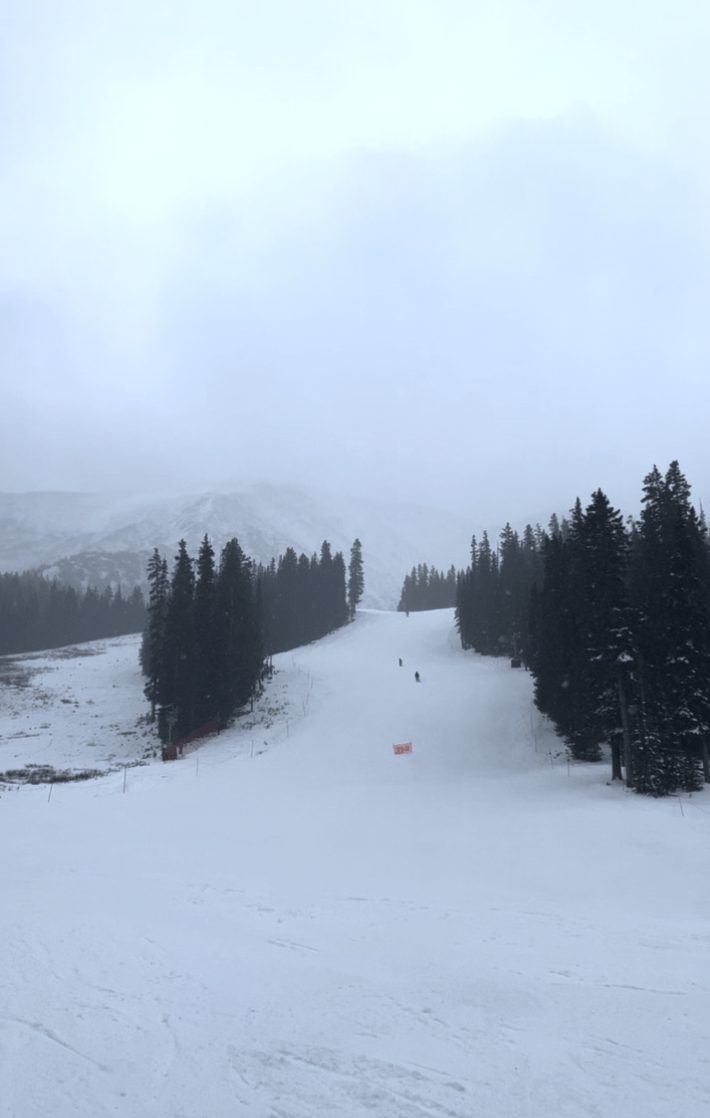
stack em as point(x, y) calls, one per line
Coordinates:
point(403, 747)
point(177, 748)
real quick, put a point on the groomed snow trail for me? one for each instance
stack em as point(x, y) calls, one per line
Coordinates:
point(296, 922)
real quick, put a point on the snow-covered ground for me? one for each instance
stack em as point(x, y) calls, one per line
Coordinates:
point(73, 709)
point(293, 921)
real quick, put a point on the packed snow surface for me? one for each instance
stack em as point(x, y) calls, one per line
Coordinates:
point(294, 921)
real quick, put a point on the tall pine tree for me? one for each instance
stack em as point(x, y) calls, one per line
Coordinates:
point(356, 577)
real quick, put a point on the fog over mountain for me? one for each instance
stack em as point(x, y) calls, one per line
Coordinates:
point(445, 253)
point(93, 539)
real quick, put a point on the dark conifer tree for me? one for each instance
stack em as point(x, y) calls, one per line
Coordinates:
point(233, 609)
point(356, 578)
point(325, 593)
point(331, 591)
point(487, 605)
point(620, 641)
point(339, 612)
point(266, 582)
point(287, 606)
point(305, 608)
point(670, 568)
point(409, 599)
point(177, 695)
point(37, 614)
point(427, 588)
point(152, 647)
point(579, 725)
point(573, 639)
point(204, 643)
point(466, 593)
point(302, 599)
point(550, 663)
point(609, 628)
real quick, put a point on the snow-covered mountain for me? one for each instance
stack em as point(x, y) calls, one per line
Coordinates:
point(88, 538)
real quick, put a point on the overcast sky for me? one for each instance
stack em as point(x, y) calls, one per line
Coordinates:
point(453, 250)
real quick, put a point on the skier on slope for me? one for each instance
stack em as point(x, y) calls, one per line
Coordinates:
point(417, 677)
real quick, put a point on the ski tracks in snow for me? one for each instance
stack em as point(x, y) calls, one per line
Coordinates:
point(293, 1082)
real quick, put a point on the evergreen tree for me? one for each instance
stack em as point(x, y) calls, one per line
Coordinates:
point(302, 599)
point(152, 648)
point(427, 588)
point(620, 636)
point(37, 614)
point(177, 695)
point(670, 567)
point(238, 633)
point(325, 593)
point(339, 611)
point(204, 644)
point(409, 598)
point(356, 578)
point(466, 594)
point(579, 727)
point(579, 635)
point(553, 635)
point(486, 617)
point(609, 628)
point(286, 630)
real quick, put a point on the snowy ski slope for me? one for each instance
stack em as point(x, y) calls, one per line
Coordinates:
point(294, 921)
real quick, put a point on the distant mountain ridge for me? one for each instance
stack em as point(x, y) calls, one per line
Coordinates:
point(103, 539)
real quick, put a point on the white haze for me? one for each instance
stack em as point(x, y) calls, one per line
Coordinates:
point(436, 251)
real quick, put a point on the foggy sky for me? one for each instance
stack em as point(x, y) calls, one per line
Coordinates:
point(450, 251)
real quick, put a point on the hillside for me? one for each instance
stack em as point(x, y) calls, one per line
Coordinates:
point(96, 539)
point(294, 922)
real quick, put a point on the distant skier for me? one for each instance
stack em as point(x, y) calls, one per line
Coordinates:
point(400, 661)
point(417, 677)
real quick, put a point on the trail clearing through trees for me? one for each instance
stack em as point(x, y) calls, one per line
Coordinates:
point(297, 921)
